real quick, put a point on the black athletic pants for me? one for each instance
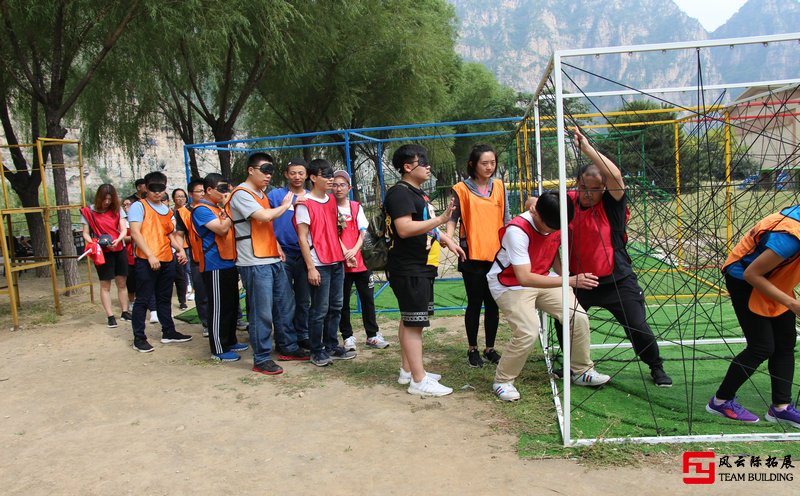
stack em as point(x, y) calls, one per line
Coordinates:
point(770, 339)
point(625, 300)
point(222, 288)
point(478, 294)
point(366, 294)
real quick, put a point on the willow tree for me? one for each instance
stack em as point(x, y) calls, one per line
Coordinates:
point(54, 51)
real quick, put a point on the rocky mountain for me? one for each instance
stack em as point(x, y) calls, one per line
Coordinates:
point(515, 39)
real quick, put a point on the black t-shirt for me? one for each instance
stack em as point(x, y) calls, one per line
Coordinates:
point(408, 256)
point(616, 211)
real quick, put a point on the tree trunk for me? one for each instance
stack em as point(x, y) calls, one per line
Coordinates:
point(193, 163)
point(29, 197)
point(71, 277)
point(224, 134)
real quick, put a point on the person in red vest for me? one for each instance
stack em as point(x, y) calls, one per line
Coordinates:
point(318, 235)
point(761, 273)
point(353, 225)
point(103, 220)
point(211, 236)
point(598, 245)
point(520, 282)
point(482, 207)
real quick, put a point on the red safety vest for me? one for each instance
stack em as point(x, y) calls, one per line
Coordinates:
point(323, 228)
point(349, 237)
point(103, 223)
point(591, 249)
point(542, 250)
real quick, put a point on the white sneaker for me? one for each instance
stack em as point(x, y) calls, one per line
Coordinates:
point(590, 378)
point(428, 387)
point(505, 391)
point(350, 343)
point(190, 297)
point(205, 332)
point(405, 377)
point(377, 342)
point(153, 317)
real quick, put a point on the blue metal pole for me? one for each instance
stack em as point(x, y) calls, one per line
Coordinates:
point(379, 164)
point(186, 164)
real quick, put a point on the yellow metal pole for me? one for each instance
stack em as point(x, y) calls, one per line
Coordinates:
point(527, 161)
point(519, 172)
point(48, 238)
point(728, 206)
point(678, 193)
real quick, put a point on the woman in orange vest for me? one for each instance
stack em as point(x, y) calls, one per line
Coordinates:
point(482, 207)
point(761, 273)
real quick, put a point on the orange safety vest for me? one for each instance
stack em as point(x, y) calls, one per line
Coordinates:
point(481, 219)
point(786, 276)
point(185, 215)
point(226, 244)
point(262, 234)
point(156, 229)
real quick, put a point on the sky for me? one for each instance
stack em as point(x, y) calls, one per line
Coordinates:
point(711, 13)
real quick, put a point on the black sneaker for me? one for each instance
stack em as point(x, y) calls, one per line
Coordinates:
point(268, 368)
point(112, 322)
point(660, 378)
point(183, 306)
point(475, 360)
point(491, 355)
point(142, 346)
point(300, 355)
point(126, 316)
point(175, 337)
point(305, 344)
point(340, 353)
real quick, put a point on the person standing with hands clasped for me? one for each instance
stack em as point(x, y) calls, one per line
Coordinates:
point(760, 274)
point(153, 232)
point(352, 225)
point(413, 263)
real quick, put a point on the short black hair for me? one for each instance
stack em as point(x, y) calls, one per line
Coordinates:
point(406, 154)
point(255, 159)
point(212, 180)
point(548, 209)
point(139, 182)
point(196, 181)
point(176, 190)
point(317, 165)
point(155, 177)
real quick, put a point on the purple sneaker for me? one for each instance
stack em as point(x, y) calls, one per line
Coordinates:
point(789, 416)
point(732, 410)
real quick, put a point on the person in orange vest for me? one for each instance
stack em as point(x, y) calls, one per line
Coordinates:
point(761, 273)
point(179, 201)
point(104, 218)
point(213, 245)
point(598, 245)
point(183, 219)
point(258, 258)
point(353, 224)
point(520, 282)
point(153, 232)
point(482, 207)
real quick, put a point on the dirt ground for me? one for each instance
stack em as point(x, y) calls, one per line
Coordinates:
point(82, 413)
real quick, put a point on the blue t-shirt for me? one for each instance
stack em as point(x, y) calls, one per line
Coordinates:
point(202, 215)
point(781, 243)
point(285, 232)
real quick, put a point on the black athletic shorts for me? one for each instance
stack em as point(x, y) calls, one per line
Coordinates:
point(414, 298)
point(116, 265)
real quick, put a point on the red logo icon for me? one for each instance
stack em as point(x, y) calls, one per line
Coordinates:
point(699, 467)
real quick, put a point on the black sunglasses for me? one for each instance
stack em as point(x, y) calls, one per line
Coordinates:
point(156, 187)
point(223, 187)
point(267, 168)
